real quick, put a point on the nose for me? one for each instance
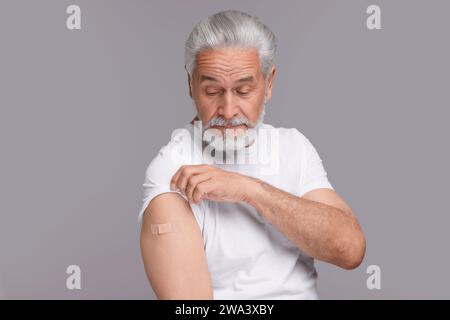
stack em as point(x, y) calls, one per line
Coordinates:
point(228, 107)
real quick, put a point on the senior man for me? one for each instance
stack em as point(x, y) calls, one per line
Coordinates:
point(239, 229)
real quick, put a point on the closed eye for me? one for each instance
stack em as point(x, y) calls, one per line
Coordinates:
point(212, 91)
point(243, 90)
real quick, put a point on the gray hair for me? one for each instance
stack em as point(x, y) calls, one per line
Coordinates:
point(231, 28)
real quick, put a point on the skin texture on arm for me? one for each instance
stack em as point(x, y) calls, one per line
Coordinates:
point(174, 262)
point(320, 223)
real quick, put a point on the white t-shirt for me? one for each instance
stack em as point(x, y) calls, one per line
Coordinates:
point(248, 258)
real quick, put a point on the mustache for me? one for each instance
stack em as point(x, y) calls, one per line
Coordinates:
point(219, 121)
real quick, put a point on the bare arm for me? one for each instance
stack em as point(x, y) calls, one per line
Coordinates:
point(320, 223)
point(175, 262)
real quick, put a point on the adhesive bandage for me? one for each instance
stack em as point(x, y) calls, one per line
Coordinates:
point(162, 228)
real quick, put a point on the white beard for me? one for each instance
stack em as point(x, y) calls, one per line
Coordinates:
point(229, 141)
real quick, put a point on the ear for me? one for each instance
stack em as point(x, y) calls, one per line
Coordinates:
point(270, 80)
point(189, 82)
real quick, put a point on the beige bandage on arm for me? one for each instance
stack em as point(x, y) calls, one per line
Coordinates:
point(162, 228)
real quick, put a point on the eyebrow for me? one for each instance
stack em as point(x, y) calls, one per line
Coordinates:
point(206, 78)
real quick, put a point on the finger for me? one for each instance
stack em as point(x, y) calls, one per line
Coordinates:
point(176, 176)
point(181, 177)
point(194, 180)
point(202, 189)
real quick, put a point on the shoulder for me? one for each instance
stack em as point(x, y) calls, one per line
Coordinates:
point(290, 133)
point(291, 139)
point(177, 152)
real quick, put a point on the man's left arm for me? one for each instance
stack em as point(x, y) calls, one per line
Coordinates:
point(320, 223)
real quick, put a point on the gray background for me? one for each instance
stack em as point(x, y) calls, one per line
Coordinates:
point(83, 113)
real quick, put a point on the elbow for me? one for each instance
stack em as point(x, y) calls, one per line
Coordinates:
point(354, 252)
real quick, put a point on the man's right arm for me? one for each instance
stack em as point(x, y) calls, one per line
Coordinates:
point(175, 262)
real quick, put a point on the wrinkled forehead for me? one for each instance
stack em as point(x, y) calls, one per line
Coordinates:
point(227, 64)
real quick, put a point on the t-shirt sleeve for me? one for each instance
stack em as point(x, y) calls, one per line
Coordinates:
point(156, 180)
point(314, 175)
point(159, 174)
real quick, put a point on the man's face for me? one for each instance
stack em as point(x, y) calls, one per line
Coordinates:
point(228, 84)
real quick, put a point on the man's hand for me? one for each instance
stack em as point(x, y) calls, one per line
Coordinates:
point(199, 182)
